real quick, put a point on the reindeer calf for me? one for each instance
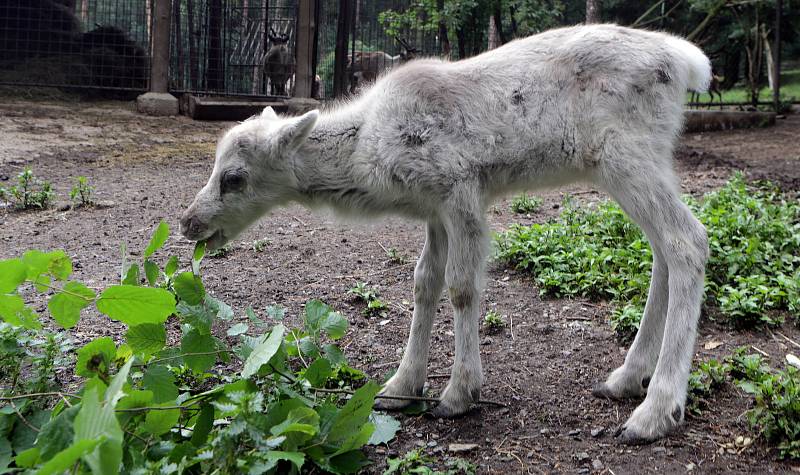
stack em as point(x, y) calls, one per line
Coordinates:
point(440, 141)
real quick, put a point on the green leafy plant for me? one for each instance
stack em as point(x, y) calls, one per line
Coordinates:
point(82, 193)
point(418, 462)
point(597, 252)
point(29, 192)
point(375, 306)
point(143, 406)
point(494, 321)
point(523, 204)
point(709, 377)
point(259, 245)
point(395, 257)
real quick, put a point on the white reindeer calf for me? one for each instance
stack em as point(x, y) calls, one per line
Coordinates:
point(439, 141)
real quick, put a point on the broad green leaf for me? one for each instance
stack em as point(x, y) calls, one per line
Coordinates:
point(158, 239)
point(276, 312)
point(335, 325)
point(5, 454)
point(96, 357)
point(262, 353)
point(237, 329)
point(334, 355)
point(221, 309)
point(348, 462)
point(12, 273)
point(189, 288)
point(196, 342)
point(131, 275)
point(172, 266)
point(24, 434)
point(201, 317)
point(354, 415)
point(146, 339)
point(316, 310)
point(42, 283)
point(203, 425)
point(300, 419)
point(94, 421)
point(27, 458)
point(197, 256)
point(386, 428)
point(136, 305)
point(159, 422)
point(318, 372)
point(161, 381)
point(297, 458)
point(66, 305)
point(14, 311)
point(64, 460)
point(151, 272)
point(57, 435)
point(55, 263)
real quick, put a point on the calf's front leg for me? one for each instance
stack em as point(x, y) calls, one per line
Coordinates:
point(467, 246)
point(428, 283)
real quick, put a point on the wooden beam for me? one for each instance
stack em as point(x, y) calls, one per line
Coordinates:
point(304, 76)
point(159, 64)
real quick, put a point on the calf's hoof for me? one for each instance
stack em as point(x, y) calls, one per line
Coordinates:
point(386, 404)
point(456, 401)
point(621, 385)
point(651, 421)
point(396, 388)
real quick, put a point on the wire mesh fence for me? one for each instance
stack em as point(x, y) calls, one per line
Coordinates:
point(95, 45)
point(233, 47)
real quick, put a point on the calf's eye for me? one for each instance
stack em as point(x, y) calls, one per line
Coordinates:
point(232, 182)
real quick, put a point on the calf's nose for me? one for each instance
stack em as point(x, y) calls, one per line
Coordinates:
point(191, 226)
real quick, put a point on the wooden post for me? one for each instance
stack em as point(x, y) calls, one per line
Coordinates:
point(159, 64)
point(304, 75)
point(340, 79)
point(776, 62)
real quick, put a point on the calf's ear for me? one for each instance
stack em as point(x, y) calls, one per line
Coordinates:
point(296, 130)
point(269, 113)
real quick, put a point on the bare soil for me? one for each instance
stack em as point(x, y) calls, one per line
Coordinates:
point(542, 365)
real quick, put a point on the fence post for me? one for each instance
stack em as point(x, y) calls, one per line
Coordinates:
point(304, 79)
point(158, 101)
point(776, 60)
point(340, 81)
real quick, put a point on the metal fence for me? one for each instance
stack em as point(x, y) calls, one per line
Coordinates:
point(94, 45)
point(233, 47)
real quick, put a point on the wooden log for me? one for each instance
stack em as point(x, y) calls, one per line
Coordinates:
point(707, 121)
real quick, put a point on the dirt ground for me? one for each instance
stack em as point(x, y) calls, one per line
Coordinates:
point(542, 366)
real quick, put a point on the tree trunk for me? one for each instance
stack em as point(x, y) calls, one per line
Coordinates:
point(494, 38)
point(180, 61)
point(462, 47)
point(497, 13)
point(768, 55)
point(592, 11)
point(193, 63)
point(443, 38)
point(512, 12)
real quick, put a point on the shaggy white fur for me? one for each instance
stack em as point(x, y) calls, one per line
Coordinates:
point(439, 141)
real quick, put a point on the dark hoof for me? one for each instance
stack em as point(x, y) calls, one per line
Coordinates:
point(600, 390)
point(382, 404)
point(628, 437)
point(445, 411)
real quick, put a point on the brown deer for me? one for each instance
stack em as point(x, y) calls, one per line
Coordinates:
point(714, 87)
point(278, 63)
point(363, 67)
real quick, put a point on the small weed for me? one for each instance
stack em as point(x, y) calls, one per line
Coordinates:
point(375, 306)
point(221, 252)
point(259, 245)
point(30, 192)
point(395, 257)
point(707, 378)
point(82, 193)
point(417, 462)
point(523, 204)
point(493, 321)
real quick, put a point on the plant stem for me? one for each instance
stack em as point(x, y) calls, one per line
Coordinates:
point(25, 396)
point(167, 358)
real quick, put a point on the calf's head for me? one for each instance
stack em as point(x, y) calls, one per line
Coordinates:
point(253, 172)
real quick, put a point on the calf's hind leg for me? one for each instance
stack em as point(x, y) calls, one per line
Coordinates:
point(428, 283)
point(650, 198)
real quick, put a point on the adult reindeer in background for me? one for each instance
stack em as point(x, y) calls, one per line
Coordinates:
point(363, 67)
point(439, 142)
point(278, 62)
